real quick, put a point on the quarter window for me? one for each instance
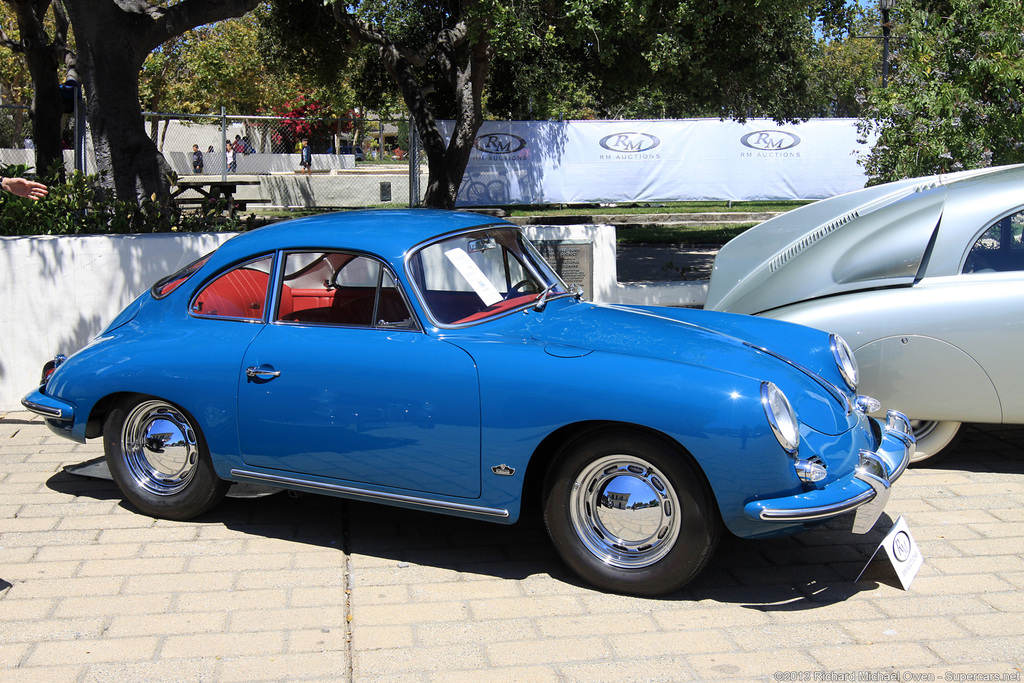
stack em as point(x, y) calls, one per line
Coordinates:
point(240, 293)
point(172, 282)
point(1000, 247)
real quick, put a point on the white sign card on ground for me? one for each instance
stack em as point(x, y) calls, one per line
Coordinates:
point(903, 553)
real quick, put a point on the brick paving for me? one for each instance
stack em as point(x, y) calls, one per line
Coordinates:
point(316, 588)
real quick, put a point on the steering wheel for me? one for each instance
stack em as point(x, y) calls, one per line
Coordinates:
point(522, 288)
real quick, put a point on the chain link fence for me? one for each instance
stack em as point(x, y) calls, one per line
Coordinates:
point(355, 161)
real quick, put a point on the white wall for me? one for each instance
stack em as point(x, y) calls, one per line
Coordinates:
point(57, 293)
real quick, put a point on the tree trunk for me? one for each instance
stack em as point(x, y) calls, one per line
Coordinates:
point(46, 113)
point(113, 39)
point(43, 54)
point(465, 65)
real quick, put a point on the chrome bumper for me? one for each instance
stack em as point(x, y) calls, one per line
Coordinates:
point(866, 490)
point(48, 406)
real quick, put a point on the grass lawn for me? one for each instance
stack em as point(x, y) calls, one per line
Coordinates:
point(660, 207)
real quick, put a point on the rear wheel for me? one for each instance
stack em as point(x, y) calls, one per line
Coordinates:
point(159, 459)
point(629, 514)
point(935, 440)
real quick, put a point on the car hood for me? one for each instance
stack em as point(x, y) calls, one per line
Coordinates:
point(875, 237)
point(732, 344)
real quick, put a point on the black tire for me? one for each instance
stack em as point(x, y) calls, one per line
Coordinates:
point(159, 459)
point(647, 546)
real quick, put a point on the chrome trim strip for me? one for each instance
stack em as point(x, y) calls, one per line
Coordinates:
point(872, 469)
point(795, 248)
point(499, 224)
point(824, 512)
point(45, 411)
point(290, 482)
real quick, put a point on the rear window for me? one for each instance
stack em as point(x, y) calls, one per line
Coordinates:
point(170, 283)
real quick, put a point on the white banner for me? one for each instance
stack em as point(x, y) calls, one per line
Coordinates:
point(540, 162)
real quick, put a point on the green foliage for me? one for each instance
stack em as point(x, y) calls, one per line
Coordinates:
point(845, 62)
point(956, 90)
point(78, 207)
point(236, 64)
point(584, 58)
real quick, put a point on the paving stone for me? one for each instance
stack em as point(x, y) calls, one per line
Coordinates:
point(90, 650)
point(549, 651)
point(320, 589)
point(524, 674)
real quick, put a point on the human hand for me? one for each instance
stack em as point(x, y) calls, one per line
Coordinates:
point(25, 188)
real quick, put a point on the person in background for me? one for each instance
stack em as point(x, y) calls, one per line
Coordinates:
point(306, 157)
point(197, 159)
point(24, 188)
point(229, 157)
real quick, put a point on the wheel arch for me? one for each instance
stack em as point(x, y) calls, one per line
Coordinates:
point(100, 409)
point(544, 456)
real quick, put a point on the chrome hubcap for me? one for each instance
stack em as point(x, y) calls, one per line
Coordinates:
point(923, 428)
point(624, 512)
point(160, 448)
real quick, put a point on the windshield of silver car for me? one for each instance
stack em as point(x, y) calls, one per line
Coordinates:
point(478, 275)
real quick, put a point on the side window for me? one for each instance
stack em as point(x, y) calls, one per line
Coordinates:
point(170, 283)
point(240, 293)
point(335, 288)
point(1000, 247)
point(391, 308)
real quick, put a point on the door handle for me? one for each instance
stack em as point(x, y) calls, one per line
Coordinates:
point(262, 372)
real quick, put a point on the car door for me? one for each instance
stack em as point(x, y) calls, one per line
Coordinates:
point(989, 321)
point(344, 385)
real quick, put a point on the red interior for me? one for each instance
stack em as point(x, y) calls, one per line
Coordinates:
point(240, 293)
point(498, 308)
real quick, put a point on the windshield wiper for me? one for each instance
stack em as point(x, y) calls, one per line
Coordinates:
point(542, 298)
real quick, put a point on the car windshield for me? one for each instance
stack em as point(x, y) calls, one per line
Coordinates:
point(478, 275)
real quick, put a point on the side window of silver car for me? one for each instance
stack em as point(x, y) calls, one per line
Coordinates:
point(1000, 248)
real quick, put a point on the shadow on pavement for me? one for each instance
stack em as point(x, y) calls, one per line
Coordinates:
point(790, 573)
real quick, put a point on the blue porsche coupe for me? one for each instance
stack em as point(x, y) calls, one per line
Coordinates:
point(434, 360)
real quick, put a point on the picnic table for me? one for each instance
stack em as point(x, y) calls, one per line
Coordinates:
point(214, 191)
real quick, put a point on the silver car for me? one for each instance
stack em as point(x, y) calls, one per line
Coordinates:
point(923, 277)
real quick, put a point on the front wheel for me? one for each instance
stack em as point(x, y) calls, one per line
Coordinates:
point(629, 514)
point(935, 440)
point(159, 459)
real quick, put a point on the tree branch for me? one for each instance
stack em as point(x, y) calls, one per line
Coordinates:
point(366, 33)
point(165, 23)
point(10, 43)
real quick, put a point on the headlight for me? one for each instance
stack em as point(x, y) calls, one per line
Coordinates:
point(781, 417)
point(845, 360)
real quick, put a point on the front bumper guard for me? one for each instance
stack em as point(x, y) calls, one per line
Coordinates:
point(866, 490)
